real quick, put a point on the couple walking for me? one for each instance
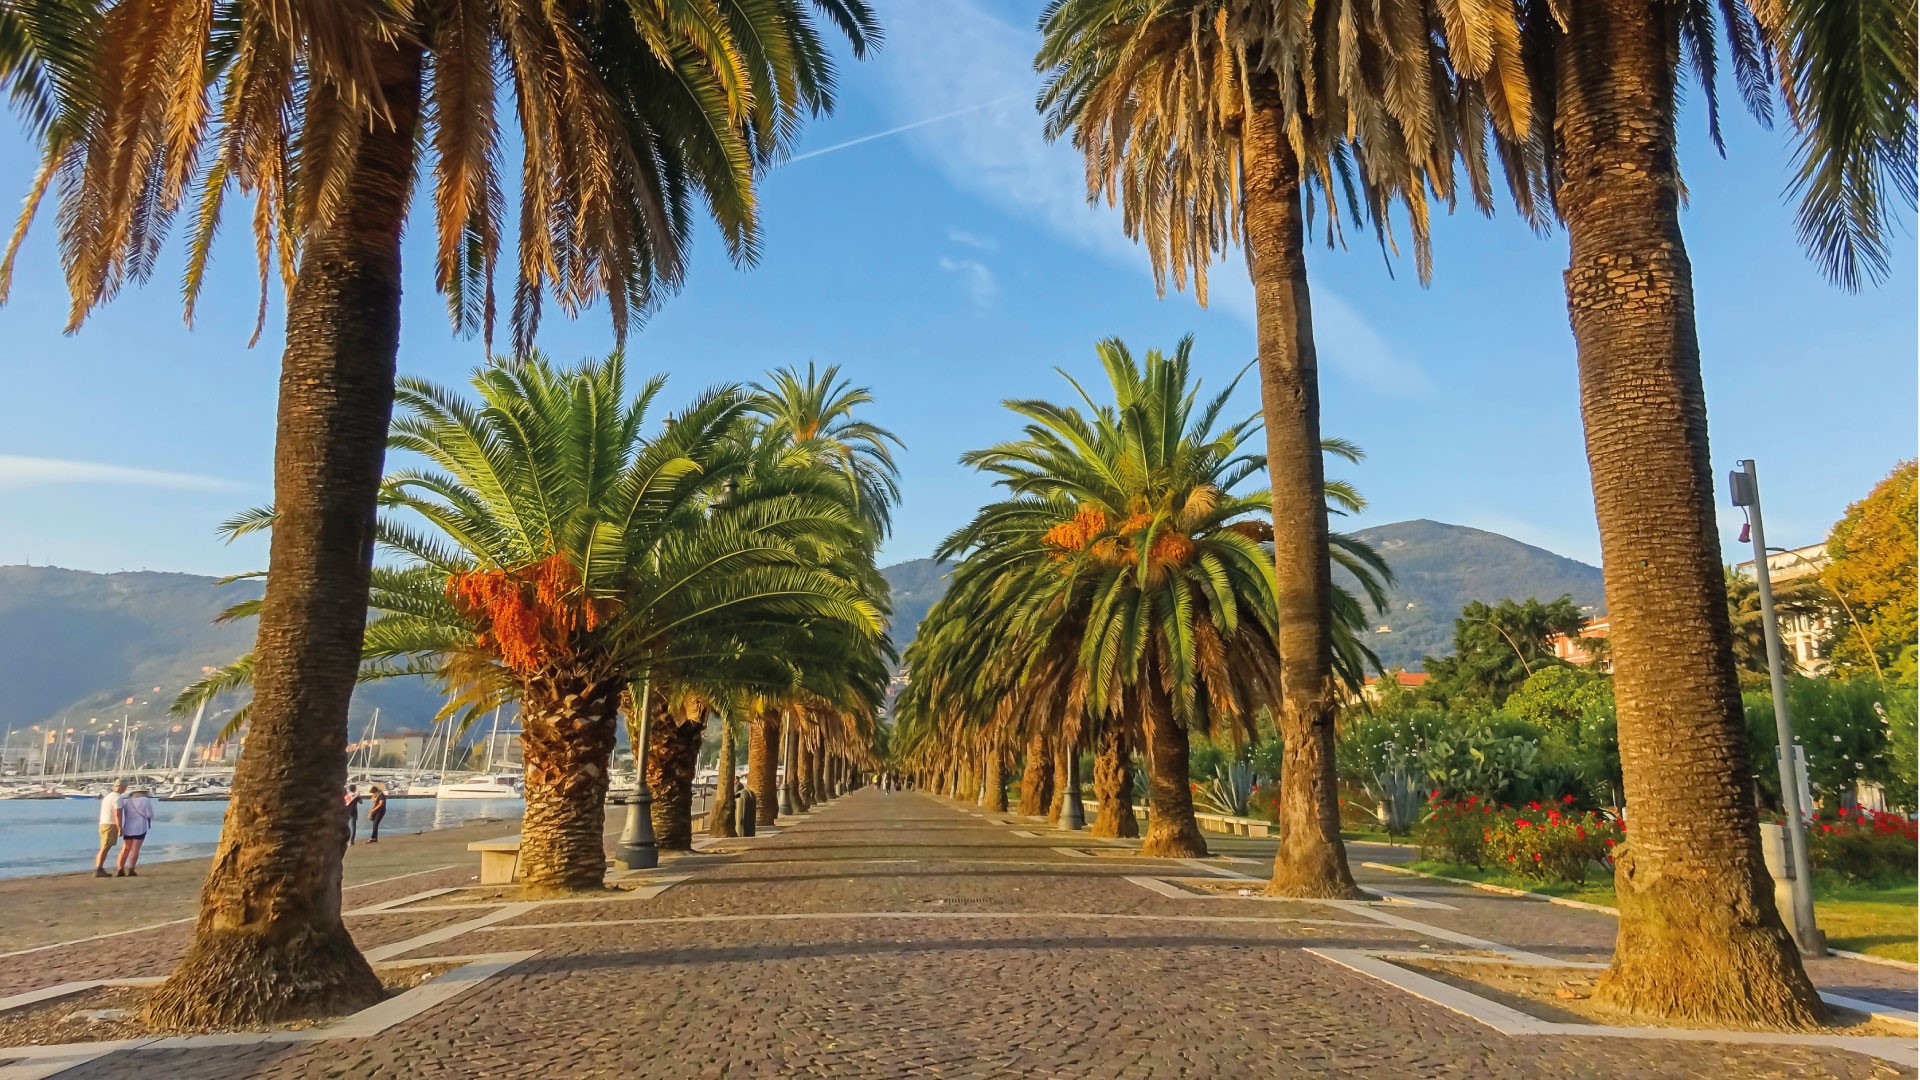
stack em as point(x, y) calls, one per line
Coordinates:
point(375, 811)
point(124, 818)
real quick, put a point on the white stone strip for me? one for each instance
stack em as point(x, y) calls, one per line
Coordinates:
point(1500, 890)
point(400, 877)
point(1872, 1008)
point(1409, 901)
point(388, 905)
point(950, 916)
point(188, 919)
point(1512, 1022)
point(1216, 871)
point(39, 1062)
point(45, 993)
point(1372, 911)
point(448, 933)
point(1075, 852)
point(1164, 888)
point(1501, 1018)
point(1869, 958)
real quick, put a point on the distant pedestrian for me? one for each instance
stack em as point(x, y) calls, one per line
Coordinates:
point(353, 800)
point(376, 809)
point(109, 826)
point(136, 818)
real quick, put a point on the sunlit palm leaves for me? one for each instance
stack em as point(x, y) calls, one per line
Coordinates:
point(1123, 560)
point(631, 115)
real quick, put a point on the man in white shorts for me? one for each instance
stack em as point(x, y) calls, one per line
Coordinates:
point(109, 826)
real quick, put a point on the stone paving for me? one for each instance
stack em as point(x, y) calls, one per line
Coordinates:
point(897, 935)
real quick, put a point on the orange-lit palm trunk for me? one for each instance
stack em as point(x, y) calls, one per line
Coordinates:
point(995, 793)
point(1172, 831)
point(1113, 782)
point(1036, 778)
point(671, 762)
point(763, 740)
point(1311, 860)
point(1699, 936)
point(569, 721)
point(269, 944)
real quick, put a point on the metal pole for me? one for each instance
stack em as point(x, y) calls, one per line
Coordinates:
point(638, 850)
point(783, 763)
point(1073, 812)
point(1746, 490)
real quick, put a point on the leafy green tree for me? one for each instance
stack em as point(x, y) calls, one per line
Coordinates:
point(1579, 732)
point(1872, 555)
point(1843, 726)
point(1497, 648)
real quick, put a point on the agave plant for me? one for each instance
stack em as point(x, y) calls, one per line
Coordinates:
point(1229, 789)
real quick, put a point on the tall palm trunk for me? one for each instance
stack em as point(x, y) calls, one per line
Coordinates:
point(1113, 782)
point(790, 757)
point(763, 737)
point(1172, 831)
point(1311, 860)
point(1058, 803)
point(269, 943)
point(569, 721)
point(1036, 777)
point(809, 791)
point(1699, 936)
point(671, 762)
point(720, 818)
point(996, 789)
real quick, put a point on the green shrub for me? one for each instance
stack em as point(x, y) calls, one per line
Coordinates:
point(1864, 847)
point(1545, 842)
point(1454, 830)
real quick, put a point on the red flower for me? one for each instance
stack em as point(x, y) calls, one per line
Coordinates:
point(1580, 831)
point(1536, 856)
point(1609, 841)
point(1568, 799)
point(1533, 806)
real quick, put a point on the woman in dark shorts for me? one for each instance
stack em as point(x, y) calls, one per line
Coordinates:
point(376, 810)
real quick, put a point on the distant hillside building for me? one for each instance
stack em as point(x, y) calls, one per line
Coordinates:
point(1408, 680)
point(1574, 650)
point(1803, 635)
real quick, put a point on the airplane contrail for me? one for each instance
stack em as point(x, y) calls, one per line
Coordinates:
point(901, 128)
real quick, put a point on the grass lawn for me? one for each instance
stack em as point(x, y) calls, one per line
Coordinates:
point(1879, 921)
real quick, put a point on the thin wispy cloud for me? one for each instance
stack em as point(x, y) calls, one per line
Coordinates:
point(967, 239)
point(981, 285)
point(19, 473)
point(892, 131)
point(937, 52)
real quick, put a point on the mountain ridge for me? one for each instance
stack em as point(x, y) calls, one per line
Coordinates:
point(75, 645)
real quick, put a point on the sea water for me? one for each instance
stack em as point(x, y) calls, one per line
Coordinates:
point(52, 836)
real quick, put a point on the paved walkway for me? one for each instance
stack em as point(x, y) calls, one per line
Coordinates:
point(895, 935)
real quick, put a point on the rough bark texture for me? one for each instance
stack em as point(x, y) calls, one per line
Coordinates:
point(763, 741)
point(790, 758)
point(569, 720)
point(809, 774)
point(996, 790)
point(1113, 783)
point(1699, 936)
point(1057, 805)
point(1311, 860)
point(720, 819)
point(1172, 831)
point(269, 944)
point(1036, 778)
point(672, 759)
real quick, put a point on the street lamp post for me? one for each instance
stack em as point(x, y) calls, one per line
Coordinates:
point(638, 850)
point(1745, 485)
point(1073, 812)
point(783, 766)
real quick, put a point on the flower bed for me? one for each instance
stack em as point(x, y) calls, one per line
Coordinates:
point(1864, 846)
point(1538, 842)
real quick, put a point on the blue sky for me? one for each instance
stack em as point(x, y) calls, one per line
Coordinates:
point(956, 263)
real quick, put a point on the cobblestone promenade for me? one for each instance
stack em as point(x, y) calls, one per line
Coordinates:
point(895, 935)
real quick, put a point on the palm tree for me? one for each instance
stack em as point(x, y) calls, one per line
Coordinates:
point(1699, 936)
point(1124, 579)
point(557, 553)
point(1214, 122)
point(632, 116)
point(814, 413)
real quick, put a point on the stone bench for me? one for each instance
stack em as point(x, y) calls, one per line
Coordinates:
point(1217, 823)
point(499, 859)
